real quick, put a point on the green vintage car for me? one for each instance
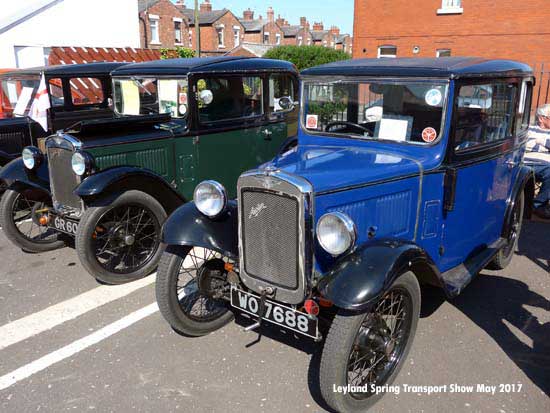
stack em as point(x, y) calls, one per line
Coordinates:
point(109, 184)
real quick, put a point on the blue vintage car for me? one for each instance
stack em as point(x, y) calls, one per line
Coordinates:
point(407, 171)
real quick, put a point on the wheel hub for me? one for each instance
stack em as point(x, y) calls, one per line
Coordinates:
point(212, 277)
point(375, 338)
point(129, 240)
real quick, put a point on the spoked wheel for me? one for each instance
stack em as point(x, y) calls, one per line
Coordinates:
point(20, 218)
point(192, 290)
point(121, 242)
point(505, 255)
point(367, 350)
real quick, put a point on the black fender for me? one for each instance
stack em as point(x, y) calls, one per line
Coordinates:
point(5, 158)
point(525, 182)
point(15, 176)
point(358, 279)
point(127, 178)
point(187, 226)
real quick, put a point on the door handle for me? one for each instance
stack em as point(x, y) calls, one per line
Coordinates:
point(267, 134)
point(510, 164)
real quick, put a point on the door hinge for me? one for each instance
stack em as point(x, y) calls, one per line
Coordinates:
point(449, 189)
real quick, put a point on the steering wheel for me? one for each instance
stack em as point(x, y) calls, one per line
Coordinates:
point(346, 123)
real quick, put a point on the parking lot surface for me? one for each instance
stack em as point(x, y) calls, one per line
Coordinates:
point(70, 344)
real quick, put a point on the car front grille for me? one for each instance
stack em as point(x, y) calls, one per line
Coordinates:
point(63, 180)
point(11, 142)
point(275, 214)
point(270, 237)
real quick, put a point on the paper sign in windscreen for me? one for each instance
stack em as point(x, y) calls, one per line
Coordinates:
point(130, 97)
point(23, 101)
point(393, 129)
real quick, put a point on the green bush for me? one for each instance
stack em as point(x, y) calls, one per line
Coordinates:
point(176, 53)
point(307, 56)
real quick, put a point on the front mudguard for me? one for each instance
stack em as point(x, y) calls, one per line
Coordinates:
point(359, 278)
point(15, 176)
point(188, 227)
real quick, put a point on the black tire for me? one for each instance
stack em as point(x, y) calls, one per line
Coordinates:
point(170, 304)
point(506, 254)
point(18, 218)
point(105, 254)
point(342, 343)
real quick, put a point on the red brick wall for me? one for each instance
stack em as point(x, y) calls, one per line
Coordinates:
point(293, 41)
point(509, 29)
point(166, 11)
point(209, 37)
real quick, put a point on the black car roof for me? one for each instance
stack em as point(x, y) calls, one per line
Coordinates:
point(444, 67)
point(91, 69)
point(178, 67)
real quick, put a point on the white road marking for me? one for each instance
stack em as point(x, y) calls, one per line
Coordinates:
point(57, 314)
point(76, 346)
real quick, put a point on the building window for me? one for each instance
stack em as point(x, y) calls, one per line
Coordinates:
point(309, 41)
point(278, 39)
point(450, 7)
point(236, 36)
point(443, 53)
point(178, 39)
point(266, 38)
point(300, 41)
point(154, 24)
point(221, 36)
point(387, 52)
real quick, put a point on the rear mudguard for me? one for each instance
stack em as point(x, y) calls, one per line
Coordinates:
point(15, 176)
point(188, 227)
point(524, 182)
point(359, 278)
point(127, 178)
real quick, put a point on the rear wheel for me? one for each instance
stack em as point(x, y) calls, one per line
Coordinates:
point(505, 255)
point(362, 350)
point(120, 242)
point(20, 220)
point(192, 290)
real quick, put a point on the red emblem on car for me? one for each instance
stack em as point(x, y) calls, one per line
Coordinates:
point(429, 135)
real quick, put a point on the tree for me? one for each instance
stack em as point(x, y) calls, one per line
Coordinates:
point(176, 53)
point(307, 56)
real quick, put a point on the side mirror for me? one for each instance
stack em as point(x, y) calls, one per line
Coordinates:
point(286, 103)
point(206, 97)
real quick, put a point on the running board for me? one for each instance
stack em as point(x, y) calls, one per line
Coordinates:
point(457, 278)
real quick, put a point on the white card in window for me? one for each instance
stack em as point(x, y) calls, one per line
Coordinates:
point(130, 97)
point(23, 101)
point(393, 129)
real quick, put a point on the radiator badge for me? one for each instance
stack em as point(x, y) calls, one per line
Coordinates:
point(255, 211)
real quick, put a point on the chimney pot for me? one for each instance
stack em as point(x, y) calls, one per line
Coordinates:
point(206, 6)
point(248, 15)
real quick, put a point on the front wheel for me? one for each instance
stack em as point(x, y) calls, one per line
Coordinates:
point(367, 350)
point(20, 218)
point(192, 290)
point(120, 242)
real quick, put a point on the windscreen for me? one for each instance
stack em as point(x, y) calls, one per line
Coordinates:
point(16, 95)
point(376, 109)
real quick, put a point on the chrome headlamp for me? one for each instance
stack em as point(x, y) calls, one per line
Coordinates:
point(210, 198)
point(32, 157)
point(336, 233)
point(82, 163)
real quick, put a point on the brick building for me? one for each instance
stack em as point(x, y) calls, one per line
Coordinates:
point(162, 24)
point(221, 31)
point(429, 28)
point(260, 30)
point(296, 35)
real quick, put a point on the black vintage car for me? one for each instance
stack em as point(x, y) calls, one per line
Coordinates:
point(77, 92)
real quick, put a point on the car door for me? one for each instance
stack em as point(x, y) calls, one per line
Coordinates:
point(283, 108)
point(481, 168)
point(231, 121)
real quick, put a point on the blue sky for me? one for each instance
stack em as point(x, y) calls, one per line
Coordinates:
point(330, 12)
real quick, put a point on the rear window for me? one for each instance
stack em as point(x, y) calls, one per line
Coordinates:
point(86, 91)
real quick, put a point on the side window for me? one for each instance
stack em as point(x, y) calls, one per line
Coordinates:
point(56, 92)
point(525, 105)
point(485, 114)
point(86, 91)
point(282, 93)
point(231, 97)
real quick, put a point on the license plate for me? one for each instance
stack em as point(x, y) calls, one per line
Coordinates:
point(65, 225)
point(275, 313)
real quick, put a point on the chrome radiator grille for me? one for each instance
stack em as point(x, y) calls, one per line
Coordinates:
point(270, 237)
point(63, 180)
point(275, 234)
